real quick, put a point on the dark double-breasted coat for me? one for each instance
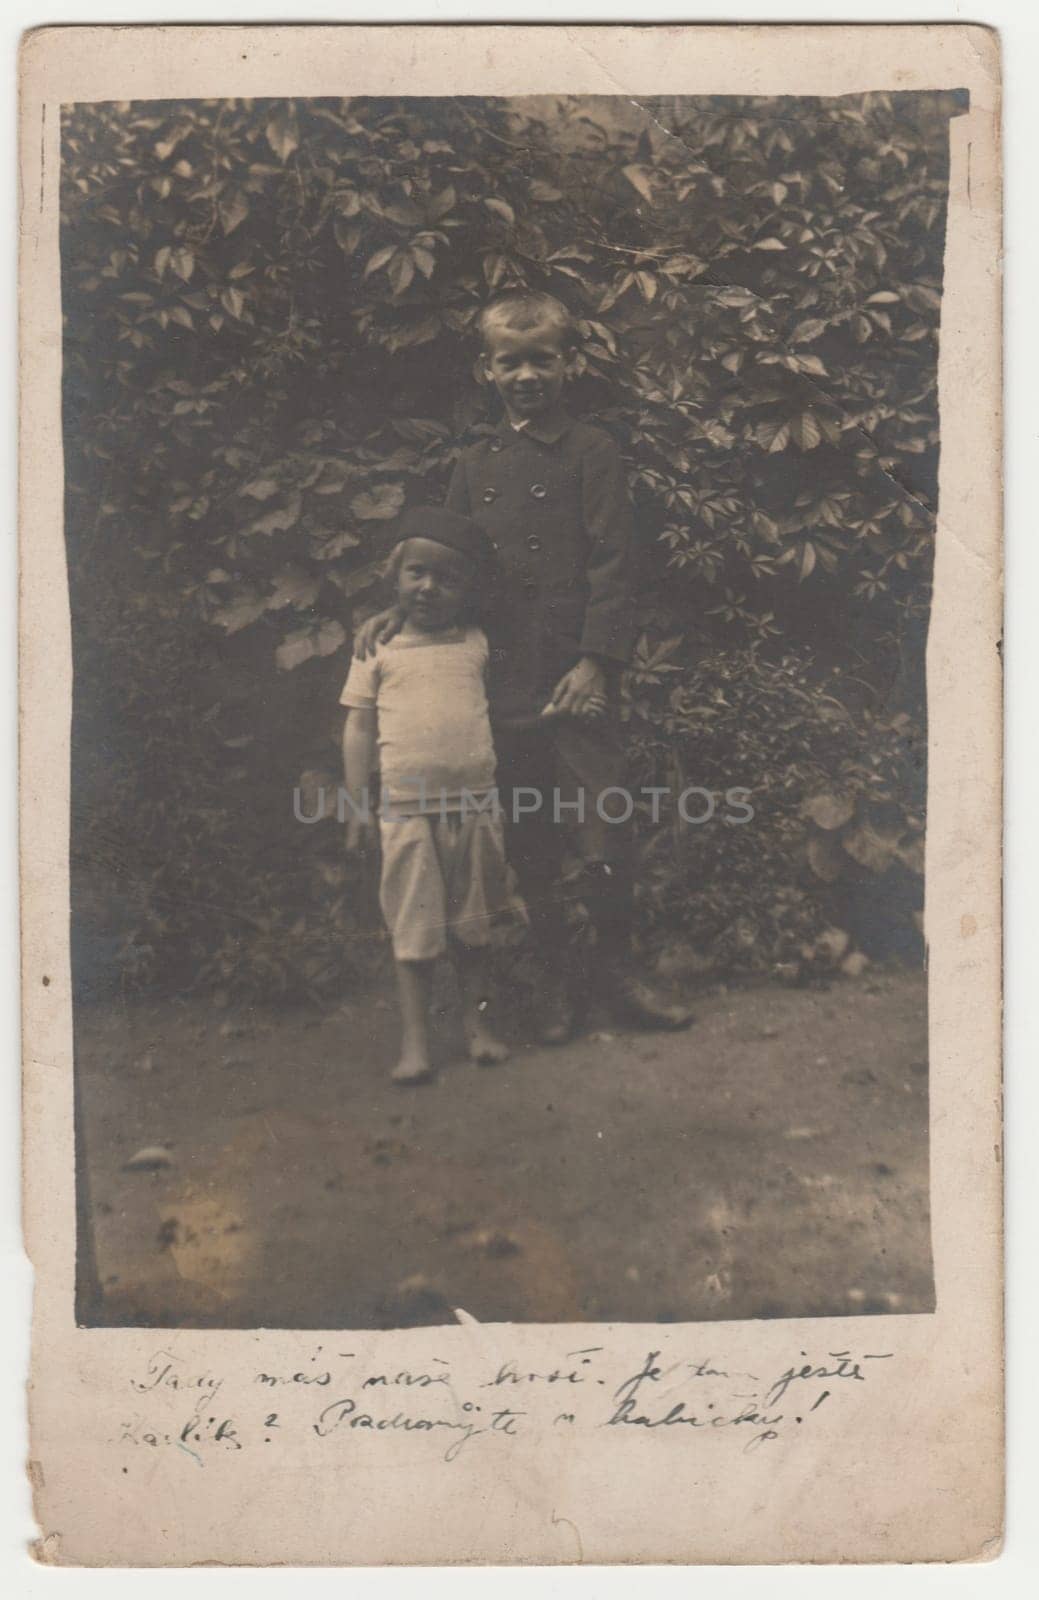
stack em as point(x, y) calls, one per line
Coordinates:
point(553, 498)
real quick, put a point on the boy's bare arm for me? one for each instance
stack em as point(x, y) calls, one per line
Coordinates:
point(358, 762)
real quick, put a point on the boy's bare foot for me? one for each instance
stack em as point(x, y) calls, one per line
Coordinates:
point(484, 1047)
point(412, 1068)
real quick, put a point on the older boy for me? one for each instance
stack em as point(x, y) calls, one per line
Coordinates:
point(552, 494)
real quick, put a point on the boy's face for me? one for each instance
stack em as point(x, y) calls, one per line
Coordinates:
point(431, 584)
point(528, 368)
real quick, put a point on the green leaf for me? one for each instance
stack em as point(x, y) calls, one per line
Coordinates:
point(347, 235)
point(824, 857)
point(182, 260)
point(347, 202)
point(539, 190)
point(281, 520)
point(379, 504)
point(244, 609)
point(283, 134)
point(805, 431)
point(404, 212)
point(911, 854)
point(773, 436)
point(771, 243)
point(233, 301)
point(260, 488)
point(333, 478)
point(828, 810)
point(832, 944)
point(379, 259)
point(871, 847)
point(356, 582)
point(330, 546)
point(501, 208)
point(621, 287)
point(639, 178)
point(921, 297)
point(306, 643)
point(293, 588)
point(233, 209)
point(401, 271)
point(441, 204)
point(165, 147)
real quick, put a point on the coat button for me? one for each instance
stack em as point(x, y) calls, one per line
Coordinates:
point(530, 587)
point(533, 542)
point(489, 495)
point(496, 445)
point(538, 490)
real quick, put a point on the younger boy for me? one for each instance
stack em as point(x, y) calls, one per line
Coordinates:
point(552, 494)
point(421, 698)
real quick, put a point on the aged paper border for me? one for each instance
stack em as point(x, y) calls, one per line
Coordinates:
point(911, 1472)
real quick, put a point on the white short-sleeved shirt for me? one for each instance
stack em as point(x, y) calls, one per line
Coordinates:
point(434, 731)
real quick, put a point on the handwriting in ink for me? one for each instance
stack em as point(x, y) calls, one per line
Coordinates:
point(406, 1380)
point(509, 1371)
point(845, 1368)
point(197, 1430)
point(685, 1397)
point(678, 1416)
point(166, 1371)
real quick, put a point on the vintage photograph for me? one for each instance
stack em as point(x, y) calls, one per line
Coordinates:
point(500, 536)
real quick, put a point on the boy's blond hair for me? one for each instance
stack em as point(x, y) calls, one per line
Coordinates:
point(523, 309)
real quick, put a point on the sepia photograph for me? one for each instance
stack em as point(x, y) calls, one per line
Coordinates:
point(510, 793)
point(500, 536)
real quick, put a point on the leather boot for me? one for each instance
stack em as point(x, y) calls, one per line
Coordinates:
point(557, 1016)
point(628, 997)
point(632, 1000)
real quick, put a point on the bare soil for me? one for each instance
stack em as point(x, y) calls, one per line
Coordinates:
point(770, 1162)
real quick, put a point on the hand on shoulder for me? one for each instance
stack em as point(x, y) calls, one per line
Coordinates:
point(375, 631)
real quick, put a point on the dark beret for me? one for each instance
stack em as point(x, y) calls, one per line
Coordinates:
point(446, 528)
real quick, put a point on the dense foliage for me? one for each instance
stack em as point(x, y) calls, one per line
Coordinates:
point(269, 350)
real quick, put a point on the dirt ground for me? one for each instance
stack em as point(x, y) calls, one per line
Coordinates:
point(771, 1162)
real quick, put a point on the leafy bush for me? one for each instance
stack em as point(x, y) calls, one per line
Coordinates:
point(837, 799)
point(268, 352)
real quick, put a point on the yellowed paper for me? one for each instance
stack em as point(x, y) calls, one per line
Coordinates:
point(748, 1435)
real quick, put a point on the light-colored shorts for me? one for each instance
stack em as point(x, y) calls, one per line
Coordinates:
point(441, 875)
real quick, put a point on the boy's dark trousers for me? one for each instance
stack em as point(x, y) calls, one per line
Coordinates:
point(552, 779)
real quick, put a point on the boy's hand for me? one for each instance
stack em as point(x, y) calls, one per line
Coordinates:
point(377, 630)
point(581, 692)
point(360, 833)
